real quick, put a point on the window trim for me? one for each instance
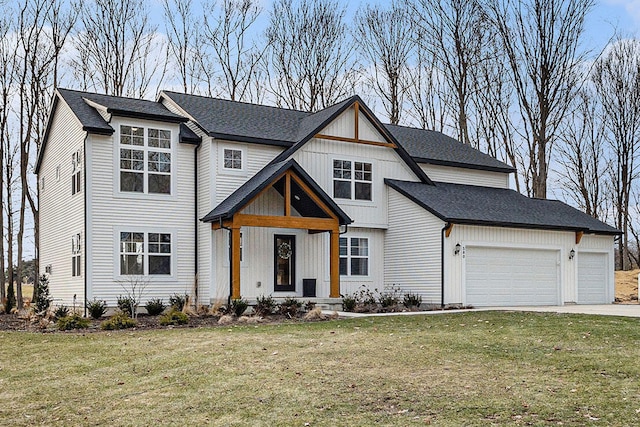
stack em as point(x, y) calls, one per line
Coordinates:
point(118, 276)
point(351, 180)
point(145, 148)
point(222, 170)
point(76, 172)
point(76, 255)
point(349, 257)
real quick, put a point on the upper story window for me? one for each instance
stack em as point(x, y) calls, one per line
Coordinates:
point(352, 180)
point(145, 160)
point(135, 260)
point(354, 256)
point(232, 159)
point(75, 172)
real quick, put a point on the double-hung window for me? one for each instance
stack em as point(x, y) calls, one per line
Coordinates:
point(354, 256)
point(145, 160)
point(75, 256)
point(352, 180)
point(144, 254)
point(75, 174)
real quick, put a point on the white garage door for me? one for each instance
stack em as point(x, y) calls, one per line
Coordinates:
point(509, 276)
point(592, 278)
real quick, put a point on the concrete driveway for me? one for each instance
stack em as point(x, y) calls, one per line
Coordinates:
point(628, 310)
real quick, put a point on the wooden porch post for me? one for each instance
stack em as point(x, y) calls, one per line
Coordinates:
point(334, 254)
point(235, 262)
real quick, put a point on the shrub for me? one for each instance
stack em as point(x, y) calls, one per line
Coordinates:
point(238, 307)
point(10, 301)
point(411, 300)
point(290, 307)
point(174, 317)
point(126, 305)
point(348, 302)
point(390, 297)
point(43, 298)
point(74, 321)
point(61, 311)
point(365, 297)
point(96, 308)
point(309, 306)
point(178, 301)
point(265, 305)
point(118, 321)
point(155, 306)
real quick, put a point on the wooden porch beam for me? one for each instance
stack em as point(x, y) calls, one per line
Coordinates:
point(334, 265)
point(360, 141)
point(356, 120)
point(447, 232)
point(235, 262)
point(579, 235)
point(314, 197)
point(217, 226)
point(287, 194)
point(305, 223)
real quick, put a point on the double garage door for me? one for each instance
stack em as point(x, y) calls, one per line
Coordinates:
point(513, 276)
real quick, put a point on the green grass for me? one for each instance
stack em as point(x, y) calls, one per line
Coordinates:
point(476, 368)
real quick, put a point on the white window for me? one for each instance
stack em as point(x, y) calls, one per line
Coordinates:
point(352, 180)
point(75, 173)
point(354, 256)
point(75, 256)
point(145, 160)
point(135, 260)
point(232, 159)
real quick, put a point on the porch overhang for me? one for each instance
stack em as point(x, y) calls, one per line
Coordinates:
point(305, 206)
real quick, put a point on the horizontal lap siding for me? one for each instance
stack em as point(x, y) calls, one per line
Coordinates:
point(62, 214)
point(110, 212)
point(466, 176)
point(412, 249)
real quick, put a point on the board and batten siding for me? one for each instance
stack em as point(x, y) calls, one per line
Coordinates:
point(465, 176)
point(479, 236)
point(109, 212)
point(343, 126)
point(413, 249)
point(61, 213)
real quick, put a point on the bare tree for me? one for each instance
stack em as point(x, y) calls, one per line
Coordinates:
point(384, 40)
point(541, 39)
point(118, 48)
point(181, 29)
point(616, 79)
point(310, 57)
point(453, 31)
point(234, 65)
point(10, 183)
point(582, 157)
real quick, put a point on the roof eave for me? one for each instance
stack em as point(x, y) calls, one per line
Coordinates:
point(250, 139)
point(147, 116)
point(464, 165)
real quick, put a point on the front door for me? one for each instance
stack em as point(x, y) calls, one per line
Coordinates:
point(284, 263)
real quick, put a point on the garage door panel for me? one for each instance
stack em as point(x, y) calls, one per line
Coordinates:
point(592, 278)
point(510, 276)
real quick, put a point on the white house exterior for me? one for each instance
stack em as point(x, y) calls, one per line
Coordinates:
point(223, 199)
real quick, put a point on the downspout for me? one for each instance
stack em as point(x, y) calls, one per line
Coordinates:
point(230, 263)
point(197, 222)
point(444, 229)
point(84, 173)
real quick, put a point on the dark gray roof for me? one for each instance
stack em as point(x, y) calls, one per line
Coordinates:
point(239, 198)
point(188, 136)
point(427, 146)
point(466, 204)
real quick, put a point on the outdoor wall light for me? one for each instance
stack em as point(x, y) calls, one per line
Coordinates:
point(572, 254)
point(457, 251)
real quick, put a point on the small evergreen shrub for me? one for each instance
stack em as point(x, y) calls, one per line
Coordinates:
point(126, 305)
point(309, 306)
point(96, 308)
point(155, 306)
point(411, 300)
point(74, 321)
point(10, 301)
point(178, 301)
point(174, 317)
point(43, 298)
point(118, 321)
point(61, 311)
point(348, 303)
point(290, 307)
point(265, 305)
point(238, 306)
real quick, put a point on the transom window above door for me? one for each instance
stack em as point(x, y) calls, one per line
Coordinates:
point(145, 160)
point(352, 180)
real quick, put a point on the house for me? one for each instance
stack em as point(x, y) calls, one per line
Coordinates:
point(220, 199)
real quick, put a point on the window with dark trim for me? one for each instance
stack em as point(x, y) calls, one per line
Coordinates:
point(352, 180)
point(76, 258)
point(75, 173)
point(354, 256)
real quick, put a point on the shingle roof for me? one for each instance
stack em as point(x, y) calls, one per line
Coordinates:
point(427, 146)
point(466, 204)
point(239, 198)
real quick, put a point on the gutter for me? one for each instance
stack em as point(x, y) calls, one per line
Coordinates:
point(444, 229)
point(230, 263)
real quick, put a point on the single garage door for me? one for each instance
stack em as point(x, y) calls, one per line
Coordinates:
point(510, 276)
point(592, 278)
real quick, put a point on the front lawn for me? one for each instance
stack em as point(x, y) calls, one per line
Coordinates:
point(478, 368)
